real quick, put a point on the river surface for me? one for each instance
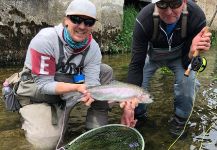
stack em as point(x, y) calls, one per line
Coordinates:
point(202, 124)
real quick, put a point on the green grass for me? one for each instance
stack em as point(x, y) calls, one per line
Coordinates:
point(214, 39)
point(122, 42)
point(214, 45)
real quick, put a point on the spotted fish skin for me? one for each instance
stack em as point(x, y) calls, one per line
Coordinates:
point(119, 91)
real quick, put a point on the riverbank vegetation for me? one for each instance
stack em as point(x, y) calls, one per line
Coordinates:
point(214, 46)
point(122, 42)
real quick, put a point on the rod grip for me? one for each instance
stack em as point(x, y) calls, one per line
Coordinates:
point(196, 53)
point(187, 72)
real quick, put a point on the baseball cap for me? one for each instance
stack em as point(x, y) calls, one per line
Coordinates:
point(81, 7)
point(154, 1)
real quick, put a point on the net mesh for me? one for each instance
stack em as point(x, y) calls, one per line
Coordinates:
point(112, 137)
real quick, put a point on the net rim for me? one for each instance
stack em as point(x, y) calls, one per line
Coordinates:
point(109, 125)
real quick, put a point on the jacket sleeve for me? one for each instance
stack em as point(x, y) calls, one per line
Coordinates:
point(139, 51)
point(92, 65)
point(40, 59)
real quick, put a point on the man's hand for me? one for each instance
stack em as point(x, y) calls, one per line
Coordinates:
point(127, 117)
point(87, 99)
point(201, 42)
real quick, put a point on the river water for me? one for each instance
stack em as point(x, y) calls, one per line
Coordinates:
point(202, 124)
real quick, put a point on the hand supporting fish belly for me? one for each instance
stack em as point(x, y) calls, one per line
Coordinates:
point(127, 117)
point(132, 102)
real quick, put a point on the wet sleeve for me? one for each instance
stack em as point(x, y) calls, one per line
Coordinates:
point(46, 84)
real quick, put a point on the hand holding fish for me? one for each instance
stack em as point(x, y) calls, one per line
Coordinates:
point(86, 98)
point(127, 117)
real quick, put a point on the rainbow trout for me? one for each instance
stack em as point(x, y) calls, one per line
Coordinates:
point(119, 91)
point(115, 91)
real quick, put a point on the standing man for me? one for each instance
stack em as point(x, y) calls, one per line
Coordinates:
point(167, 33)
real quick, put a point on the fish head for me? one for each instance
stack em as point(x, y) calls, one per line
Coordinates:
point(145, 98)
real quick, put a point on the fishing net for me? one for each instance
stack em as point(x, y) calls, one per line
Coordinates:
point(108, 137)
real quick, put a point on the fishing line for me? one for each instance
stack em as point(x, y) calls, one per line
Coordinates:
point(206, 133)
point(197, 64)
point(194, 97)
point(189, 119)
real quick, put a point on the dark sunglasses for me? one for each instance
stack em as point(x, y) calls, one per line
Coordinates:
point(78, 20)
point(172, 4)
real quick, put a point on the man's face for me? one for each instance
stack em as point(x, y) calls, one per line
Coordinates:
point(170, 10)
point(79, 27)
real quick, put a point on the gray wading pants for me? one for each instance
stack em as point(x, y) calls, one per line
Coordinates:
point(37, 117)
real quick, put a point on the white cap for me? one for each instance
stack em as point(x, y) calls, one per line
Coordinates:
point(81, 7)
point(154, 1)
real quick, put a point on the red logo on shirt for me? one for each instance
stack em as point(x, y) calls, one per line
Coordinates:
point(42, 64)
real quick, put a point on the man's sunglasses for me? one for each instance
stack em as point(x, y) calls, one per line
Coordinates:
point(172, 4)
point(78, 20)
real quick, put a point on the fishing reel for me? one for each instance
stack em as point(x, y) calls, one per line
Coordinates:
point(198, 64)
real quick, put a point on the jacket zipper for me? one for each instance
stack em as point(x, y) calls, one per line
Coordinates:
point(169, 39)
